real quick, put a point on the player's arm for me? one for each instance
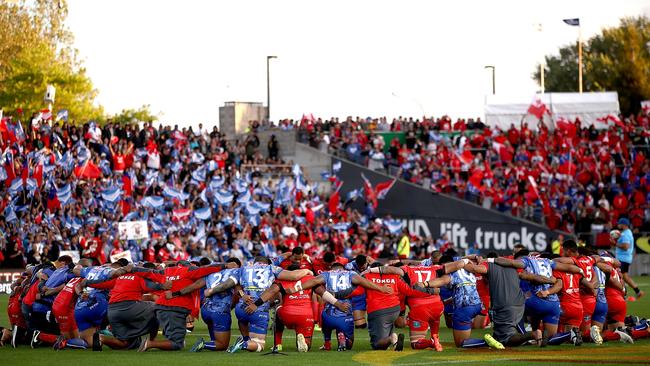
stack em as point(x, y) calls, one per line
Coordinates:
point(474, 268)
point(609, 260)
point(438, 282)
point(113, 274)
point(334, 298)
point(359, 280)
point(267, 295)
point(386, 270)
point(46, 291)
point(457, 265)
point(606, 268)
point(623, 245)
point(569, 268)
point(293, 275)
point(557, 287)
point(198, 284)
point(196, 273)
point(223, 286)
point(404, 289)
point(542, 280)
point(509, 263)
point(564, 260)
point(153, 286)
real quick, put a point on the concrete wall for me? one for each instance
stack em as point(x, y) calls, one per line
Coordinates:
point(286, 142)
point(235, 116)
point(313, 162)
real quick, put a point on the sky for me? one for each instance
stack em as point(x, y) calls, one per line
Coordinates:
point(334, 58)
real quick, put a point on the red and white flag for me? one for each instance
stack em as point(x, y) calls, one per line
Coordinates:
point(382, 189)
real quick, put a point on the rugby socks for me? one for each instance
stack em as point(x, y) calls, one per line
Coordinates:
point(559, 338)
point(277, 337)
point(639, 333)
point(422, 344)
point(76, 343)
point(210, 346)
point(474, 343)
point(636, 290)
point(608, 335)
point(47, 338)
point(435, 326)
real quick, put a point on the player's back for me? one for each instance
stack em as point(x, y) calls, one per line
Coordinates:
point(67, 294)
point(586, 263)
point(301, 299)
point(220, 301)
point(335, 281)
point(541, 267)
point(570, 286)
point(255, 278)
point(421, 274)
point(463, 285)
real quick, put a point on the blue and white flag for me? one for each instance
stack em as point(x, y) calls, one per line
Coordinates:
point(155, 202)
point(176, 166)
point(64, 194)
point(16, 186)
point(203, 213)
point(212, 165)
point(240, 185)
point(341, 226)
point(31, 185)
point(393, 226)
point(296, 170)
point(300, 220)
point(262, 206)
point(111, 194)
point(336, 167)
point(353, 195)
point(254, 220)
point(244, 198)
point(92, 220)
point(325, 174)
point(10, 214)
point(131, 216)
point(151, 177)
point(199, 174)
point(252, 209)
point(157, 225)
point(216, 182)
point(572, 22)
point(170, 192)
point(62, 115)
point(266, 192)
point(3, 174)
point(223, 197)
point(301, 183)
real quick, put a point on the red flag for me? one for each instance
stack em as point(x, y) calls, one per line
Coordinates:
point(38, 174)
point(567, 127)
point(11, 174)
point(126, 207)
point(466, 157)
point(334, 201)
point(537, 109)
point(25, 173)
point(616, 121)
point(127, 186)
point(88, 170)
point(370, 192)
point(381, 190)
point(476, 179)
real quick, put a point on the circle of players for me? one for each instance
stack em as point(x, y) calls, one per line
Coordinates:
point(532, 298)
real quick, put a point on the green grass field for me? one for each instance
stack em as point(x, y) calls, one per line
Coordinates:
point(606, 354)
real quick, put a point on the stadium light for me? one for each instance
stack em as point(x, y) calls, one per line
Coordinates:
point(268, 89)
point(493, 79)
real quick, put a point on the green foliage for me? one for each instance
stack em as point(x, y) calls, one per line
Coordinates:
point(616, 60)
point(142, 114)
point(35, 50)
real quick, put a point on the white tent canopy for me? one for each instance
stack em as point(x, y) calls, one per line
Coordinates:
point(502, 111)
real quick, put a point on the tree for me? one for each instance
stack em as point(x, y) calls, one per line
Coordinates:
point(36, 50)
point(142, 114)
point(616, 60)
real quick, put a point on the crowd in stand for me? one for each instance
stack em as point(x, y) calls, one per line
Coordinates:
point(66, 186)
point(572, 176)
